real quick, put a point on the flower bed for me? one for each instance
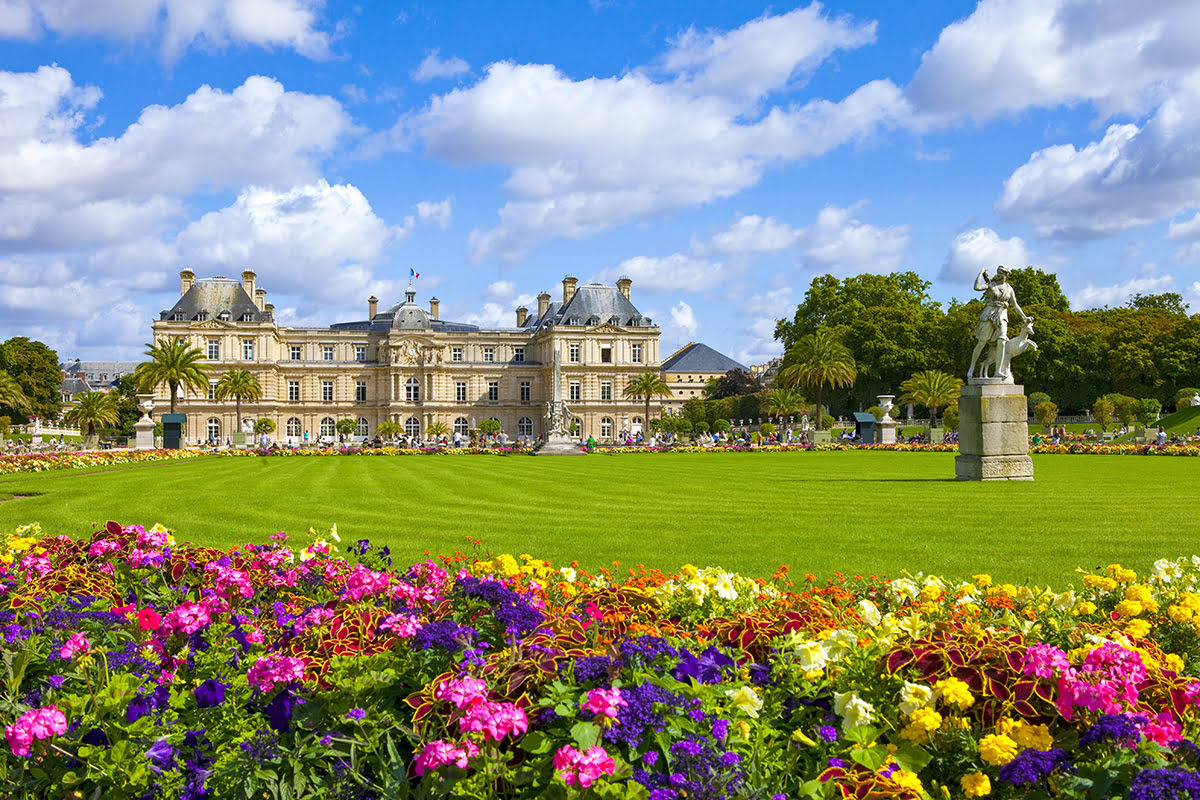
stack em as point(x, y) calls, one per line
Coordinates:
point(46, 462)
point(138, 667)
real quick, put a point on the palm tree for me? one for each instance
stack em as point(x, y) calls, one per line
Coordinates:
point(11, 394)
point(818, 359)
point(437, 429)
point(782, 402)
point(173, 362)
point(91, 410)
point(240, 384)
point(389, 429)
point(932, 389)
point(647, 385)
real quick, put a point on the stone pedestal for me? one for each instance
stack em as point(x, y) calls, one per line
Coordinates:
point(885, 431)
point(993, 433)
point(144, 436)
point(558, 444)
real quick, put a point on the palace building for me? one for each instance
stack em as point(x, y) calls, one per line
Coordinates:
point(405, 363)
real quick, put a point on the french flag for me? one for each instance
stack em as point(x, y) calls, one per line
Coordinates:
point(413, 273)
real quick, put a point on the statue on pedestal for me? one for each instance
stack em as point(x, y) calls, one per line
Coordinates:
point(992, 328)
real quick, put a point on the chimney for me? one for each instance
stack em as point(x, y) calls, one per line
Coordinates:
point(260, 298)
point(270, 309)
point(522, 316)
point(543, 304)
point(372, 306)
point(248, 277)
point(186, 279)
point(433, 307)
point(624, 285)
point(569, 284)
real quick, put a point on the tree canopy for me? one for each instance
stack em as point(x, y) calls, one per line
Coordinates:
point(34, 367)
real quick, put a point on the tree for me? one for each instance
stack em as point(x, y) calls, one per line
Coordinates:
point(346, 426)
point(647, 385)
point(34, 367)
point(818, 359)
point(950, 417)
point(11, 394)
point(437, 429)
point(240, 384)
point(732, 383)
point(1036, 288)
point(1102, 410)
point(932, 389)
point(1183, 398)
point(489, 427)
point(264, 425)
point(721, 425)
point(175, 363)
point(1045, 413)
point(93, 410)
point(389, 429)
point(1147, 410)
point(1035, 399)
point(781, 402)
point(1171, 302)
point(1124, 407)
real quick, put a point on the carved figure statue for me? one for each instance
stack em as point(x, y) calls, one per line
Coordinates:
point(1016, 345)
point(992, 328)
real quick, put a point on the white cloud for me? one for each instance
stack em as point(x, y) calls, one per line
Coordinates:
point(754, 234)
point(500, 290)
point(1188, 229)
point(439, 212)
point(1131, 177)
point(1009, 55)
point(981, 248)
point(588, 154)
point(499, 314)
point(433, 66)
point(837, 242)
point(668, 273)
point(684, 319)
point(179, 24)
point(1092, 296)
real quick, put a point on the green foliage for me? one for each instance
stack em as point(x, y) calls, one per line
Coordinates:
point(950, 418)
point(264, 425)
point(1183, 398)
point(1045, 412)
point(1036, 288)
point(1102, 411)
point(389, 428)
point(876, 411)
point(646, 386)
point(436, 429)
point(782, 402)
point(93, 410)
point(932, 389)
point(766, 429)
point(816, 360)
point(490, 427)
point(700, 427)
point(240, 384)
point(175, 363)
point(1170, 302)
point(1124, 407)
point(1146, 410)
point(721, 426)
point(1035, 399)
point(827, 421)
point(345, 426)
point(34, 368)
point(733, 382)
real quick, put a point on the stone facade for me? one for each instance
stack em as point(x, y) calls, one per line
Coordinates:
point(993, 433)
point(406, 364)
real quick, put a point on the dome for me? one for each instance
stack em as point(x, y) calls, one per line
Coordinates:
point(410, 317)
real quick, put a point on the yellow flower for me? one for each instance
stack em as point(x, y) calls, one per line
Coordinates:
point(975, 784)
point(743, 730)
point(955, 692)
point(1128, 608)
point(908, 780)
point(1137, 628)
point(1099, 582)
point(914, 696)
point(746, 699)
point(688, 570)
point(20, 543)
point(921, 725)
point(1036, 737)
point(1084, 608)
point(507, 565)
point(1174, 662)
point(982, 580)
point(1179, 613)
point(1003, 590)
point(997, 749)
point(1190, 600)
point(1120, 574)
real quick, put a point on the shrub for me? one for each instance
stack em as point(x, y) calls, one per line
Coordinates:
point(766, 429)
point(1045, 413)
point(827, 422)
point(700, 427)
point(1124, 407)
point(264, 425)
point(721, 426)
point(877, 411)
point(1147, 410)
point(1183, 398)
point(950, 417)
point(489, 427)
point(1102, 410)
point(1036, 399)
point(346, 426)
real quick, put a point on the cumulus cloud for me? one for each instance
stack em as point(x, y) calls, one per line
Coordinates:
point(433, 66)
point(1187, 229)
point(176, 24)
point(588, 154)
point(1131, 177)
point(982, 248)
point(754, 234)
point(500, 290)
point(439, 212)
point(668, 273)
point(1009, 55)
point(684, 319)
point(1092, 296)
point(839, 243)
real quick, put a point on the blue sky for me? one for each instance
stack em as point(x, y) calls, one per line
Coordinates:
point(720, 154)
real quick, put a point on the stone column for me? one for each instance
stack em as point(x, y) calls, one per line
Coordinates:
point(885, 429)
point(144, 427)
point(993, 432)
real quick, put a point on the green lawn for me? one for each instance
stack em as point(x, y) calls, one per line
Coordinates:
point(856, 512)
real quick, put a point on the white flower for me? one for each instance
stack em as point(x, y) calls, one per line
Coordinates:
point(811, 656)
point(934, 580)
point(912, 625)
point(746, 699)
point(724, 588)
point(1167, 571)
point(853, 710)
point(914, 696)
point(569, 575)
point(333, 533)
point(869, 612)
point(904, 589)
point(839, 643)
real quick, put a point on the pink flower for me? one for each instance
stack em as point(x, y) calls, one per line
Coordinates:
point(402, 625)
point(233, 582)
point(76, 643)
point(19, 739)
point(496, 720)
point(40, 723)
point(583, 768)
point(272, 669)
point(440, 752)
point(1163, 729)
point(605, 702)
point(187, 617)
point(102, 547)
point(148, 619)
point(363, 582)
point(462, 692)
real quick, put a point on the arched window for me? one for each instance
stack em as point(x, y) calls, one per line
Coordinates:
point(214, 428)
point(293, 427)
point(361, 430)
point(606, 427)
point(412, 426)
point(328, 427)
point(578, 426)
point(525, 426)
point(412, 391)
point(636, 425)
point(462, 426)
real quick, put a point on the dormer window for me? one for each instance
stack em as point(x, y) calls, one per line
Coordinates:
point(247, 317)
point(202, 316)
point(223, 316)
point(177, 316)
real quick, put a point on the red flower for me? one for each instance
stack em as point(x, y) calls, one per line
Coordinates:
point(148, 619)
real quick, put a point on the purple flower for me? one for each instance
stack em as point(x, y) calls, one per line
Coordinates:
point(355, 714)
point(56, 681)
point(720, 729)
point(1030, 766)
point(1113, 728)
point(210, 694)
point(161, 755)
point(1164, 784)
point(828, 733)
point(705, 668)
point(836, 762)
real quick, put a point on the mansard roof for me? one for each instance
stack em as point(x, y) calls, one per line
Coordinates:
point(593, 304)
point(214, 296)
point(699, 358)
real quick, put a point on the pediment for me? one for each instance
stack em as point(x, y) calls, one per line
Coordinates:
point(213, 324)
point(605, 327)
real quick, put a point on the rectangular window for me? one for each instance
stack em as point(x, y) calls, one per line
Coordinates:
point(212, 391)
point(247, 349)
point(177, 316)
point(360, 391)
point(573, 353)
point(637, 354)
point(489, 354)
point(460, 391)
point(327, 391)
point(214, 349)
point(456, 354)
point(295, 352)
point(493, 391)
point(573, 391)
point(360, 352)
point(606, 390)
point(606, 355)
point(526, 391)
point(327, 352)
point(519, 355)
point(294, 391)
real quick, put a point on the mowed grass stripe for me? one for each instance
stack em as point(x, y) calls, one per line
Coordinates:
point(854, 512)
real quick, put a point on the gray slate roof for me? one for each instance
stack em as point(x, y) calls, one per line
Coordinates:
point(698, 357)
point(214, 296)
point(74, 386)
point(592, 304)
